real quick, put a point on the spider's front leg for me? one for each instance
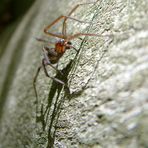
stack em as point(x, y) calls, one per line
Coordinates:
point(72, 11)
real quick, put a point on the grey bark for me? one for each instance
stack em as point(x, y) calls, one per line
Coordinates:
point(106, 103)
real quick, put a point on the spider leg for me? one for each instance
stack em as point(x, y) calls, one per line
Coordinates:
point(70, 46)
point(47, 60)
point(34, 82)
point(37, 73)
point(55, 21)
point(64, 22)
point(45, 41)
point(86, 34)
point(46, 73)
point(34, 86)
point(35, 79)
point(55, 68)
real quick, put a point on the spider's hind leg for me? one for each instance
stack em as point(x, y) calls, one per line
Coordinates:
point(46, 73)
point(35, 90)
point(34, 82)
point(46, 60)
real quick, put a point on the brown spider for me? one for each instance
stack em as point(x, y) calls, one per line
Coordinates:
point(52, 55)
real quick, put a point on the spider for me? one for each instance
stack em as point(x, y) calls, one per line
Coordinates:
point(52, 55)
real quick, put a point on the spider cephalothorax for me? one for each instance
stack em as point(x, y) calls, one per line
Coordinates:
point(61, 46)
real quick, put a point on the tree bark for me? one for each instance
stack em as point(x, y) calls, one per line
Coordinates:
point(105, 103)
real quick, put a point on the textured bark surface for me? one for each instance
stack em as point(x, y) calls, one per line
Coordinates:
point(106, 105)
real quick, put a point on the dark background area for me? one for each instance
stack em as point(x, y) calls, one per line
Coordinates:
point(11, 10)
point(11, 13)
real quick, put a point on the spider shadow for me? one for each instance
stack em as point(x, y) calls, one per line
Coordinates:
point(55, 100)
